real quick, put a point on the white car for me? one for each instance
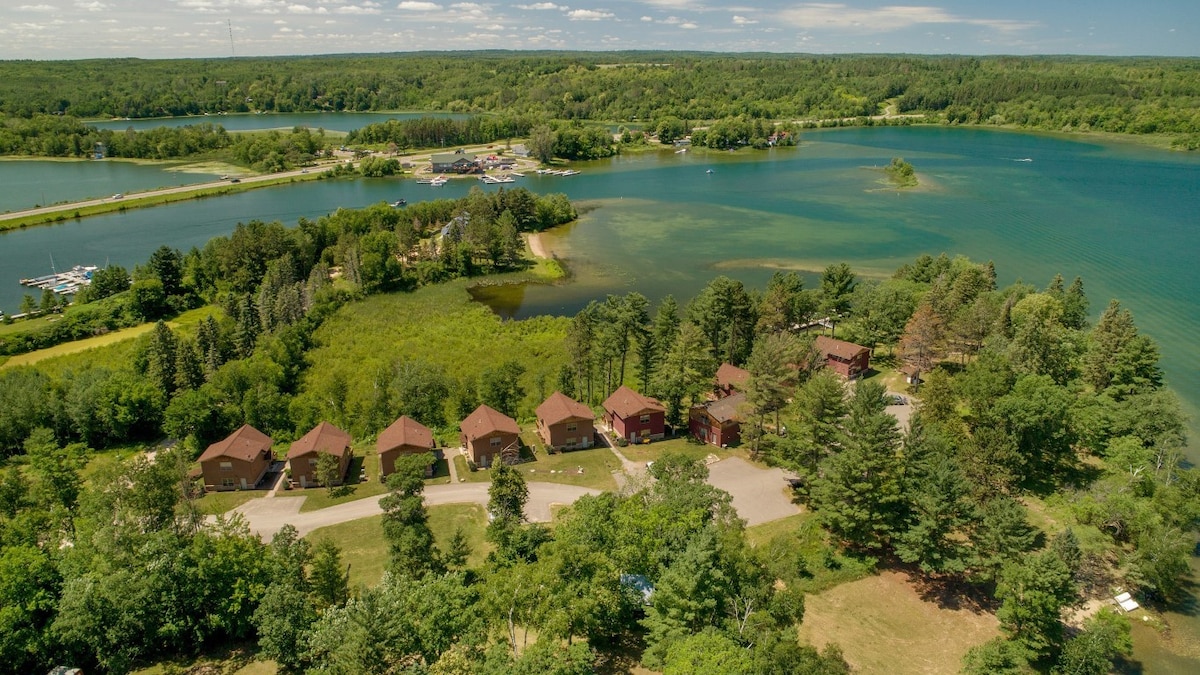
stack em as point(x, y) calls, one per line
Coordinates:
point(118, 196)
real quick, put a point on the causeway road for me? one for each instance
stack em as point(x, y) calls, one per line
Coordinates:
point(211, 185)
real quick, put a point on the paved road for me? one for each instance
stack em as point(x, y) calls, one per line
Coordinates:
point(759, 495)
point(267, 516)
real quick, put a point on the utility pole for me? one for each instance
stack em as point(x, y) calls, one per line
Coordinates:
point(232, 51)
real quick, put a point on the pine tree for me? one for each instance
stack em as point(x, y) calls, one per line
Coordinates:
point(858, 494)
point(330, 583)
point(161, 357)
point(189, 373)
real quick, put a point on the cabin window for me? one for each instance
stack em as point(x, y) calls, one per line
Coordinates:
point(312, 462)
point(227, 482)
point(572, 427)
point(227, 466)
point(495, 442)
point(645, 419)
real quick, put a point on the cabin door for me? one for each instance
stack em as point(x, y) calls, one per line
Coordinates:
point(243, 483)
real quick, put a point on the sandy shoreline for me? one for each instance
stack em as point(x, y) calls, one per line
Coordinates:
point(536, 246)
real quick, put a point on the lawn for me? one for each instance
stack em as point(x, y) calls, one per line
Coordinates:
point(684, 445)
point(586, 468)
point(78, 346)
point(364, 458)
point(217, 503)
point(883, 624)
point(112, 349)
point(365, 551)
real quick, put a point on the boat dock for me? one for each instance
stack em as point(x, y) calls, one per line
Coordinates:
point(63, 283)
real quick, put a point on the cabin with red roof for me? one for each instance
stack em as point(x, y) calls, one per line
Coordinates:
point(405, 436)
point(304, 454)
point(239, 462)
point(488, 435)
point(730, 379)
point(844, 358)
point(565, 424)
point(636, 418)
point(717, 422)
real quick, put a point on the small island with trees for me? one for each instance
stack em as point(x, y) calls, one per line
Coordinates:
point(901, 173)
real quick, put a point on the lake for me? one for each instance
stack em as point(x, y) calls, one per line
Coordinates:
point(28, 183)
point(1122, 216)
point(332, 121)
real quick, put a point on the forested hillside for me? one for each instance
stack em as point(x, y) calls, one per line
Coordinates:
point(1124, 95)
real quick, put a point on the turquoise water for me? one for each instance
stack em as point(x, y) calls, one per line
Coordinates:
point(346, 121)
point(1122, 216)
point(28, 183)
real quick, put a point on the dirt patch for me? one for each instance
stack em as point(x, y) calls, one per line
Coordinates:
point(883, 624)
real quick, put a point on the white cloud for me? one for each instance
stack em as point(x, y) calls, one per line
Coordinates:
point(300, 9)
point(589, 15)
point(37, 8)
point(92, 6)
point(418, 6)
point(468, 6)
point(542, 6)
point(882, 19)
point(676, 4)
point(357, 9)
point(742, 21)
point(688, 26)
point(647, 19)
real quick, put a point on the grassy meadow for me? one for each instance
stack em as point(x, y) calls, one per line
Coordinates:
point(438, 325)
point(365, 551)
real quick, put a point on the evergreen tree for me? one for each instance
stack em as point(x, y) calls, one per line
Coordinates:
point(1075, 306)
point(189, 373)
point(858, 494)
point(330, 582)
point(161, 357)
point(411, 547)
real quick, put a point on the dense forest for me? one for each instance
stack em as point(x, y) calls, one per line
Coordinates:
point(1122, 95)
point(1023, 402)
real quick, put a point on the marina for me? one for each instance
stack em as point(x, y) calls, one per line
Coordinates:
point(495, 180)
point(63, 283)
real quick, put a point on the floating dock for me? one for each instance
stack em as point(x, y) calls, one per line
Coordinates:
point(64, 283)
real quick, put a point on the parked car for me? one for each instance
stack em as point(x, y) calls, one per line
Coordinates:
point(118, 196)
point(898, 400)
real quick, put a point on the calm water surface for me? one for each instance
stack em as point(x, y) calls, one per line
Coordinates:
point(1121, 216)
point(28, 183)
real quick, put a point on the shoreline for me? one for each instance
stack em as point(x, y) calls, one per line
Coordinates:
point(537, 247)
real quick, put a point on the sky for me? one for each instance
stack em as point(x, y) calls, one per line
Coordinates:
point(70, 29)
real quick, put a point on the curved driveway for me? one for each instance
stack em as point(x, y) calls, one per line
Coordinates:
point(267, 516)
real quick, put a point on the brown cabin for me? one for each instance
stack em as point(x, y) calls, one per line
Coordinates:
point(304, 454)
point(405, 436)
point(717, 422)
point(239, 462)
point(730, 379)
point(488, 434)
point(636, 418)
point(844, 358)
point(565, 424)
